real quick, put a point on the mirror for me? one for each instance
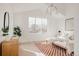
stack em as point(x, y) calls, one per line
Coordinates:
point(5, 28)
point(6, 19)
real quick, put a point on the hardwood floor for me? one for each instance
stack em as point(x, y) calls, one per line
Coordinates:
point(52, 50)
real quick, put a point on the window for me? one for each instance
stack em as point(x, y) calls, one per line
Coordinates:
point(37, 24)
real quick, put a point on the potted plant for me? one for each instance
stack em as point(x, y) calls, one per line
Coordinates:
point(5, 31)
point(17, 31)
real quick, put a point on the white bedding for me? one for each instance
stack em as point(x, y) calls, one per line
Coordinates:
point(61, 44)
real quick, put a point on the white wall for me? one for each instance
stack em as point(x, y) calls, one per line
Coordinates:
point(72, 10)
point(76, 33)
point(55, 23)
point(21, 21)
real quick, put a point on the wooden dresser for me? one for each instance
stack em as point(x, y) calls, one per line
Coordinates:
point(0, 49)
point(10, 48)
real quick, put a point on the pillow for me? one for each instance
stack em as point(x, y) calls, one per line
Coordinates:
point(71, 37)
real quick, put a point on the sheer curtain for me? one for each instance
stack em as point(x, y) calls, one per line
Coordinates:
point(37, 24)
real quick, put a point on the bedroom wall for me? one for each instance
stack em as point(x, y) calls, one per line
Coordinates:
point(72, 10)
point(76, 32)
point(76, 37)
point(55, 23)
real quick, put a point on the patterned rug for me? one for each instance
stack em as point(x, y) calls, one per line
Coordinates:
point(51, 49)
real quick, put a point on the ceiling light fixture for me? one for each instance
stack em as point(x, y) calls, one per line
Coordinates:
point(51, 9)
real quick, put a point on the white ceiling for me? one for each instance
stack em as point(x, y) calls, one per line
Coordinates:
point(19, 7)
point(28, 6)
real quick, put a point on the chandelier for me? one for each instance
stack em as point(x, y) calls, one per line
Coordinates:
point(51, 9)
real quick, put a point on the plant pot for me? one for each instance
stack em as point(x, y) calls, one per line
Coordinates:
point(15, 37)
point(7, 38)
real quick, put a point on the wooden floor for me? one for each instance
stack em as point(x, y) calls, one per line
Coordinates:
point(51, 50)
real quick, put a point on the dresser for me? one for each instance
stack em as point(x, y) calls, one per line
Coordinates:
point(10, 48)
point(0, 49)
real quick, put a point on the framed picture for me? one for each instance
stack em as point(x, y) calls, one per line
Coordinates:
point(69, 24)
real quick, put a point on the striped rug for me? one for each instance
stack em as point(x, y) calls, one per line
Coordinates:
point(51, 50)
